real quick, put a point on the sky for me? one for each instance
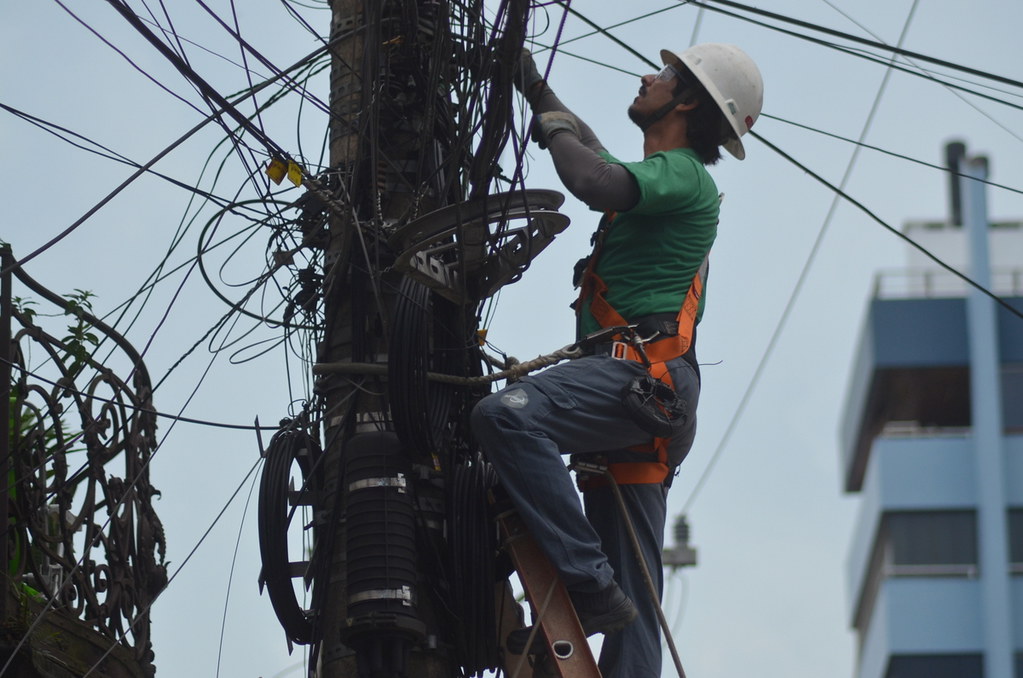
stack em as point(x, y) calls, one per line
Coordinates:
point(791, 274)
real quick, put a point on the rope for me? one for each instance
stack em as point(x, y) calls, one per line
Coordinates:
point(654, 596)
point(514, 372)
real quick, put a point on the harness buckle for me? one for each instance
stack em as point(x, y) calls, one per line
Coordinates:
point(620, 350)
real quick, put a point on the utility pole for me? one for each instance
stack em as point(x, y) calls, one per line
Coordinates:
point(374, 607)
point(404, 568)
point(348, 39)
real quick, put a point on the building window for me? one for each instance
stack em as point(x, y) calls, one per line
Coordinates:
point(935, 543)
point(936, 666)
point(1016, 542)
point(918, 544)
point(1012, 395)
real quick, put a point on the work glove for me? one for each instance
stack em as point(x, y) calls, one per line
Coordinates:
point(526, 73)
point(547, 125)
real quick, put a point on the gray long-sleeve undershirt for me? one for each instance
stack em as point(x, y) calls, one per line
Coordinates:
point(586, 175)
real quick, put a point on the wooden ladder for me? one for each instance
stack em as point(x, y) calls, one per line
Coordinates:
point(569, 655)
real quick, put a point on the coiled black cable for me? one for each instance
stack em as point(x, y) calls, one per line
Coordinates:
point(424, 337)
point(291, 445)
point(472, 540)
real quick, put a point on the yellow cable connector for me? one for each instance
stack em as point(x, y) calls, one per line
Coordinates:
point(276, 170)
point(294, 173)
point(481, 337)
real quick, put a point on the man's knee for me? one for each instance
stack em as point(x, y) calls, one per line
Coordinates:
point(507, 409)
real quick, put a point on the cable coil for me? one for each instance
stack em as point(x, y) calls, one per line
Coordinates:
point(472, 537)
point(288, 446)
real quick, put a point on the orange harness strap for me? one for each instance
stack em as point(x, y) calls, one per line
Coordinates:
point(663, 350)
point(658, 353)
point(626, 473)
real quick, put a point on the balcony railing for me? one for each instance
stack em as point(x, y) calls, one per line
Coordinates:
point(914, 429)
point(83, 541)
point(968, 570)
point(934, 284)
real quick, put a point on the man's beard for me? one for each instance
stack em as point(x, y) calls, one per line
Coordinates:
point(636, 117)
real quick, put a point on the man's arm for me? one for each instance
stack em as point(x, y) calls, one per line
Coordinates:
point(575, 149)
point(588, 176)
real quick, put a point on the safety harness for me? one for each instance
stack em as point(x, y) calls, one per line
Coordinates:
point(653, 352)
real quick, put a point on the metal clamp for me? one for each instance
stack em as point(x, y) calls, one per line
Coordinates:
point(398, 481)
point(404, 594)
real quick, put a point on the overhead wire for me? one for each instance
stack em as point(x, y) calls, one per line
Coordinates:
point(128, 59)
point(239, 147)
point(893, 154)
point(792, 160)
point(230, 576)
point(811, 257)
point(145, 610)
point(207, 90)
point(364, 244)
point(838, 192)
point(860, 54)
point(598, 30)
point(142, 170)
point(248, 48)
point(134, 408)
point(954, 91)
point(917, 71)
point(875, 44)
point(110, 196)
point(913, 243)
point(141, 472)
point(520, 140)
point(879, 149)
point(245, 61)
point(301, 20)
point(103, 151)
point(604, 31)
point(175, 574)
point(180, 38)
point(178, 418)
point(195, 189)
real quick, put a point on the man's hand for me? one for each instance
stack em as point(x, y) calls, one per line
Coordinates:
point(547, 125)
point(526, 74)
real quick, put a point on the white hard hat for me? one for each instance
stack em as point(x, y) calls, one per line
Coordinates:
point(732, 80)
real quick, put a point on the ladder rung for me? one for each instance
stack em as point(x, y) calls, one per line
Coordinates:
point(570, 653)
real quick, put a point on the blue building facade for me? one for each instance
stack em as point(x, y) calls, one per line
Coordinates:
point(933, 443)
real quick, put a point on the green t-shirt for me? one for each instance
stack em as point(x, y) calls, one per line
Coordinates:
point(651, 252)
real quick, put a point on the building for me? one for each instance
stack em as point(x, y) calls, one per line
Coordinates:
point(933, 443)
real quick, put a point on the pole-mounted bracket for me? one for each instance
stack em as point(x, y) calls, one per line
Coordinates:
point(467, 251)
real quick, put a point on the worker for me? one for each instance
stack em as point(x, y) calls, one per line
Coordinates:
point(631, 399)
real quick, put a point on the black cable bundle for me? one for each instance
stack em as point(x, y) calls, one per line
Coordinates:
point(420, 342)
point(288, 446)
point(472, 540)
point(503, 54)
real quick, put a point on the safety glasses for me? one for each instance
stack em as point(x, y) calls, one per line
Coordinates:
point(669, 72)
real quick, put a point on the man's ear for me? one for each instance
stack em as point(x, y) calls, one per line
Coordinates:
point(688, 103)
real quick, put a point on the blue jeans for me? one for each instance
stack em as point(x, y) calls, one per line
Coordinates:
point(576, 407)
